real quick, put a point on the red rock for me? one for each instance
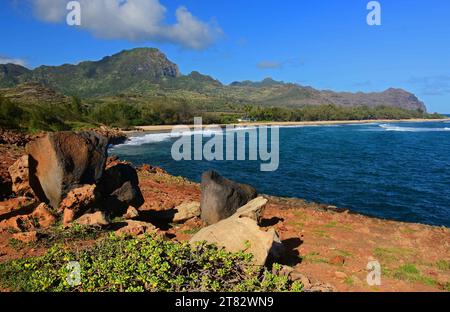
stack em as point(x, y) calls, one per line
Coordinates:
point(68, 216)
point(79, 199)
point(135, 228)
point(61, 161)
point(340, 260)
point(18, 223)
point(27, 237)
point(339, 274)
point(14, 206)
point(131, 213)
point(93, 219)
point(19, 173)
point(43, 216)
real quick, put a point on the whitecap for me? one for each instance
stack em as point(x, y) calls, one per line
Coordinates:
point(411, 129)
point(150, 138)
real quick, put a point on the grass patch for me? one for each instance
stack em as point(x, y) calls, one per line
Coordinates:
point(59, 234)
point(407, 230)
point(300, 215)
point(320, 233)
point(142, 264)
point(447, 286)
point(330, 225)
point(16, 244)
point(344, 253)
point(409, 272)
point(443, 265)
point(191, 231)
point(391, 254)
point(349, 281)
point(314, 257)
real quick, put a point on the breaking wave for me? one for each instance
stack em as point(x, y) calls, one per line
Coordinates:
point(166, 136)
point(411, 129)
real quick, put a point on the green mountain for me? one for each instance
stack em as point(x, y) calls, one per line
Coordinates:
point(10, 73)
point(146, 72)
point(108, 76)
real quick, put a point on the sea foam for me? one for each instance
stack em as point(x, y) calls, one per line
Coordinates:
point(411, 129)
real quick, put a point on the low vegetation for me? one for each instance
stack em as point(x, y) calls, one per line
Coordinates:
point(142, 264)
point(124, 112)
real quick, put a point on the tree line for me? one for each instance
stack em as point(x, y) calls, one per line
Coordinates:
point(166, 111)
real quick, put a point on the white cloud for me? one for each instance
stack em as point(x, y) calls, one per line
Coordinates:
point(134, 20)
point(7, 60)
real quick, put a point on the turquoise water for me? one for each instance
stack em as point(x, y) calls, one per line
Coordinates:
point(396, 171)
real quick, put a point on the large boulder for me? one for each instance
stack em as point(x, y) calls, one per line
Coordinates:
point(62, 161)
point(253, 209)
point(222, 197)
point(20, 177)
point(119, 187)
point(241, 232)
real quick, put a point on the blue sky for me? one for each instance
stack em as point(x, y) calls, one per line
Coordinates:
point(326, 44)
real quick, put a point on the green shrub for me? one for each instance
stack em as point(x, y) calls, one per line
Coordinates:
point(10, 114)
point(142, 264)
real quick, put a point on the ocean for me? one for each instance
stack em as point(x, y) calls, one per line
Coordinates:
point(398, 171)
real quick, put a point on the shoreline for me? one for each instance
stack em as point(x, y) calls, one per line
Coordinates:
point(319, 239)
point(154, 129)
point(168, 128)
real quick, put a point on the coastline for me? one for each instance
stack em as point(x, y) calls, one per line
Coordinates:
point(319, 238)
point(167, 128)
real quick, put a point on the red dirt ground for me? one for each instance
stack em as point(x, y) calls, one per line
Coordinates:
point(323, 243)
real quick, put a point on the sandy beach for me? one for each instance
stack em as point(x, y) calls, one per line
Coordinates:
point(166, 128)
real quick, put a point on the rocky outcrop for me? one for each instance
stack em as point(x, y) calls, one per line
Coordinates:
point(16, 206)
point(20, 177)
point(60, 162)
point(98, 218)
point(186, 211)
point(222, 197)
point(135, 228)
point(119, 187)
point(77, 201)
point(66, 170)
point(253, 209)
point(114, 136)
point(26, 237)
point(43, 216)
point(131, 213)
point(14, 137)
point(241, 232)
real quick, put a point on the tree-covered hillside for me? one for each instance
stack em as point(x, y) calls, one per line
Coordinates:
point(148, 72)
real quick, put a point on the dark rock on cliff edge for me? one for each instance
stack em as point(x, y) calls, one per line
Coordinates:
point(222, 197)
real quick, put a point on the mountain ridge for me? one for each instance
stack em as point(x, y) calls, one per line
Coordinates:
point(149, 71)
